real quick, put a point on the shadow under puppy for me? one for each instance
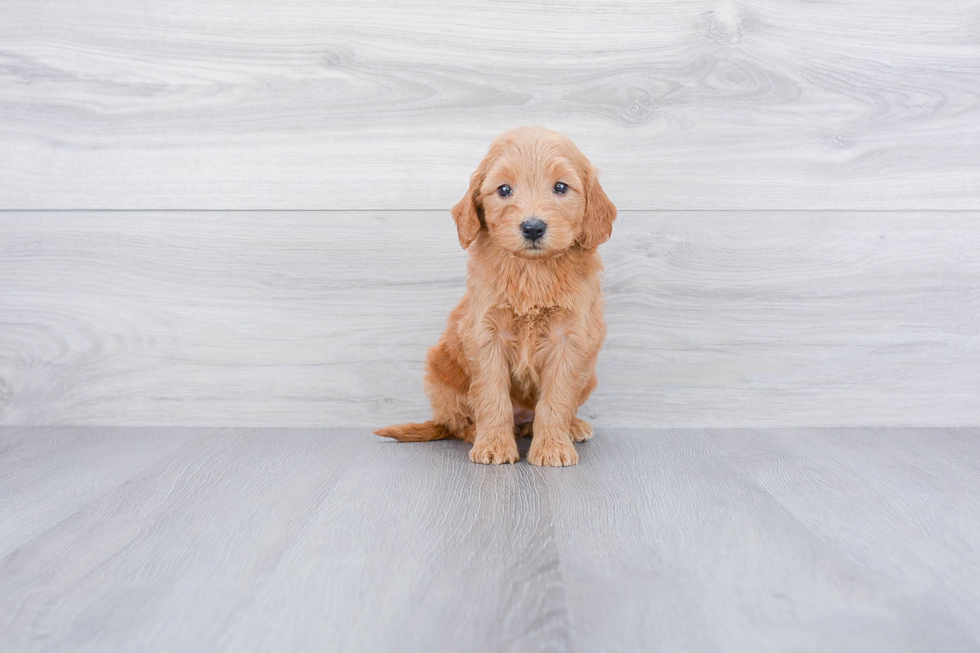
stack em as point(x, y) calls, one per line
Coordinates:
point(518, 354)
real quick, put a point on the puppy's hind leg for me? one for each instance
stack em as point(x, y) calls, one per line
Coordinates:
point(446, 386)
point(580, 430)
point(523, 417)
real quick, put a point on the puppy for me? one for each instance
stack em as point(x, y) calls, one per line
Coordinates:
point(518, 354)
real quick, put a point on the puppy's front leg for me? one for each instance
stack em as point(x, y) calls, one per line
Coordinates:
point(561, 385)
point(492, 408)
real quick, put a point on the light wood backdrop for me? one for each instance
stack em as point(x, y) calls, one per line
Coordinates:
point(307, 318)
point(236, 213)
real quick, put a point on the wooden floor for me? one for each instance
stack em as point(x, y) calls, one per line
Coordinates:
point(127, 539)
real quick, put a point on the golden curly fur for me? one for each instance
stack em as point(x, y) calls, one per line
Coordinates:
point(518, 354)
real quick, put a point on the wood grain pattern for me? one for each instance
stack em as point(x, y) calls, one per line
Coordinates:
point(334, 540)
point(772, 540)
point(77, 467)
point(720, 104)
point(258, 539)
point(170, 553)
point(427, 553)
point(304, 319)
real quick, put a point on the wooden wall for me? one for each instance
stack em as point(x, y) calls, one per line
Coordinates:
point(237, 213)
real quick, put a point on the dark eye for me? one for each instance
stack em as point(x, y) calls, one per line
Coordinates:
point(561, 188)
point(504, 191)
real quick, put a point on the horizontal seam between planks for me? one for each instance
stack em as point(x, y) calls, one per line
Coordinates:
point(766, 210)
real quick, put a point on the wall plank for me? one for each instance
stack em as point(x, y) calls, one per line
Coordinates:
point(707, 104)
point(322, 318)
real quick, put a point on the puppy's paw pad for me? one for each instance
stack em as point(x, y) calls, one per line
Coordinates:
point(553, 454)
point(581, 430)
point(494, 453)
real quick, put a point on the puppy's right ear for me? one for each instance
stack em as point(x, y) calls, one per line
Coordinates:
point(467, 211)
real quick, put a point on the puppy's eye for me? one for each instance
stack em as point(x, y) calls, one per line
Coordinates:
point(561, 188)
point(504, 191)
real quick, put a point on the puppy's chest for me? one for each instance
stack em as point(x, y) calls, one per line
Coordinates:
point(528, 336)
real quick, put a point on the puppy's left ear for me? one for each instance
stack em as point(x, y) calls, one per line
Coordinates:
point(600, 213)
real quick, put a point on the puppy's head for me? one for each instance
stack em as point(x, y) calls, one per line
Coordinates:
point(536, 196)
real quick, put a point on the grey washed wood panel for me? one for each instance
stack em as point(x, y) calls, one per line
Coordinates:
point(339, 105)
point(249, 539)
point(417, 549)
point(77, 466)
point(335, 540)
point(311, 318)
point(772, 540)
point(171, 552)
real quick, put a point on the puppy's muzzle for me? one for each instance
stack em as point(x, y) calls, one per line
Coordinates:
point(533, 229)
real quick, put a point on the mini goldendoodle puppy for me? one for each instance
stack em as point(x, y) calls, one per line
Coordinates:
point(518, 354)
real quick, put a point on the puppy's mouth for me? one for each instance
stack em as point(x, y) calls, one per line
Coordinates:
point(534, 250)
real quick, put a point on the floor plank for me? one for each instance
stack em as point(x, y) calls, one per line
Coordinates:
point(48, 474)
point(752, 104)
point(855, 495)
point(750, 540)
point(720, 318)
point(331, 539)
point(165, 558)
point(417, 550)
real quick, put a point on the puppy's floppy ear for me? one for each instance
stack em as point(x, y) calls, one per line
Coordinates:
point(600, 213)
point(468, 212)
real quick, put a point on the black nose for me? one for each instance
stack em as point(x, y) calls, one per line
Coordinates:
point(533, 228)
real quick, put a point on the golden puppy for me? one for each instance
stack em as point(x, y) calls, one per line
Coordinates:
point(518, 354)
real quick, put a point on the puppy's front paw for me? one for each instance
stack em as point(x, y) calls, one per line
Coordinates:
point(495, 452)
point(553, 453)
point(581, 430)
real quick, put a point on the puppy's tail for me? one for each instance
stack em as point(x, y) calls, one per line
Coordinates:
point(424, 432)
